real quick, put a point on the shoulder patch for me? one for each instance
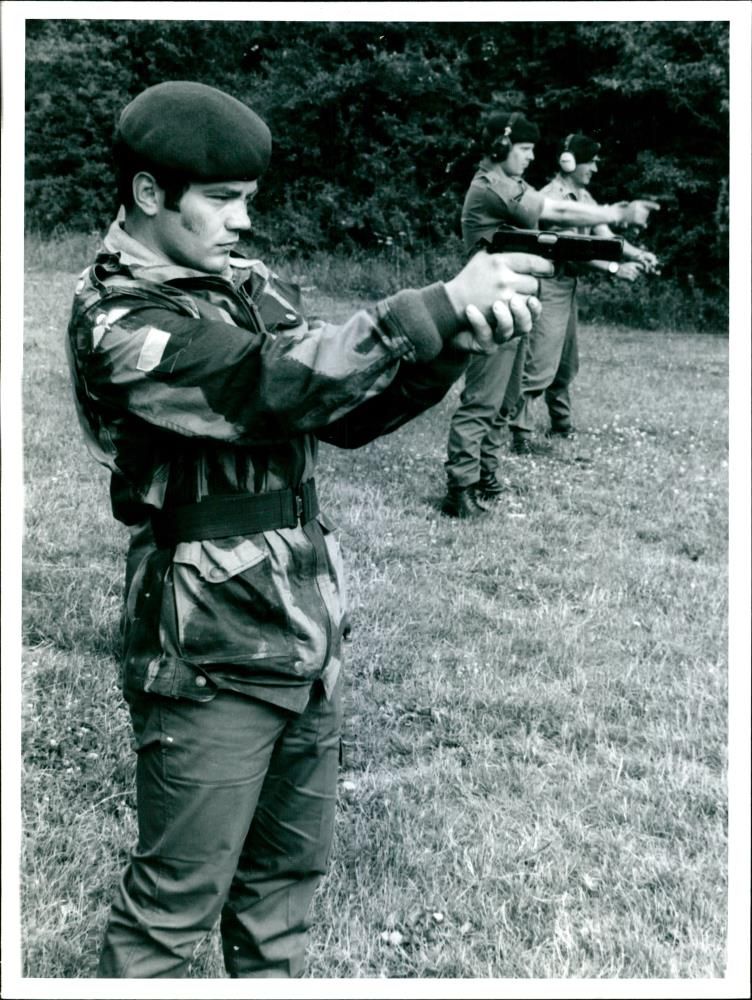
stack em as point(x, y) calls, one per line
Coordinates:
point(152, 349)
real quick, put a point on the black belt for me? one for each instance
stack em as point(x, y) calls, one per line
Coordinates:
point(235, 514)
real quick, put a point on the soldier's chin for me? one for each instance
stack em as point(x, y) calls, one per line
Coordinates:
point(215, 262)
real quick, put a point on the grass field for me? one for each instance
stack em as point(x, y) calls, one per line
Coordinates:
point(535, 773)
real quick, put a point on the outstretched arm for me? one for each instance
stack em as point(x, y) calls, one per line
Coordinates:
point(576, 213)
point(153, 358)
point(494, 295)
point(644, 259)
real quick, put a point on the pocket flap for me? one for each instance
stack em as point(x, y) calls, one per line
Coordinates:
point(216, 562)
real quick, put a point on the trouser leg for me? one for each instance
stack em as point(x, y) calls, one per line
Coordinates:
point(546, 343)
point(199, 772)
point(557, 395)
point(266, 917)
point(493, 443)
point(486, 382)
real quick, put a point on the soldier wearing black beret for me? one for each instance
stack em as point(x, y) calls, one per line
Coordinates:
point(204, 390)
point(196, 131)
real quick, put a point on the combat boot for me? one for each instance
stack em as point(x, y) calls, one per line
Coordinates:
point(462, 503)
point(561, 433)
point(523, 444)
point(489, 491)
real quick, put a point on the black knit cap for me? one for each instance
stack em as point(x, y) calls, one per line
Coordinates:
point(197, 131)
point(521, 129)
point(583, 148)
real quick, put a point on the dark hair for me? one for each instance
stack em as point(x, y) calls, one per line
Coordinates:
point(129, 163)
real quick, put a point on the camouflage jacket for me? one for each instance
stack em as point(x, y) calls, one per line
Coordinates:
point(191, 385)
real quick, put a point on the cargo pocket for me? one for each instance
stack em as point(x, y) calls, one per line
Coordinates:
point(229, 605)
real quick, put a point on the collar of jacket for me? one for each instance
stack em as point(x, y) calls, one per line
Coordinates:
point(148, 265)
point(496, 175)
point(568, 185)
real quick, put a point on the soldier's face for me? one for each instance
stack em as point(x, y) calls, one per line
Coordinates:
point(584, 172)
point(520, 156)
point(207, 225)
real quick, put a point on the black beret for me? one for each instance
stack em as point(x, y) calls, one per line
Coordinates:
point(514, 125)
point(196, 130)
point(582, 147)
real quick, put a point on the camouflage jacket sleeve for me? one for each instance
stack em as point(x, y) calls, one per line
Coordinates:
point(222, 374)
point(415, 388)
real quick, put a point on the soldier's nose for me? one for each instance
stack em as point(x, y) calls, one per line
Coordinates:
point(239, 220)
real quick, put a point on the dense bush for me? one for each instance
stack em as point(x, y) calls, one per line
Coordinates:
point(375, 122)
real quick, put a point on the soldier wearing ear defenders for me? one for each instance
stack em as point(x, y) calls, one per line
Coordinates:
point(552, 359)
point(498, 196)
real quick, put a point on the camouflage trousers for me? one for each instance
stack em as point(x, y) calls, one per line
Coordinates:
point(236, 802)
point(478, 425)
point(552, 357)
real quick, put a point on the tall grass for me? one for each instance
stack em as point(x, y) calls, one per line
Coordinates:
point(534, 780)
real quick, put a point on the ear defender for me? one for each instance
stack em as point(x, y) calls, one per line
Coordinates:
point(567, 162)
point(505, 142)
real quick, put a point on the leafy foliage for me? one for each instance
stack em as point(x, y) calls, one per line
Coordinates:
point(374, 123)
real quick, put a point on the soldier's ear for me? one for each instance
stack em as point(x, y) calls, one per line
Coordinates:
point(146, 193)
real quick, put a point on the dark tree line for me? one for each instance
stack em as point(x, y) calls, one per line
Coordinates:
point(375, 123)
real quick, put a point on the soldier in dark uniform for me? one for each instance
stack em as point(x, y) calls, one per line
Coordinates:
point(552, 358)
point(498, 196)
point(204, 390)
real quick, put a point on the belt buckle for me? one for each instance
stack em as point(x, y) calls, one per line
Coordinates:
point(299, 505)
